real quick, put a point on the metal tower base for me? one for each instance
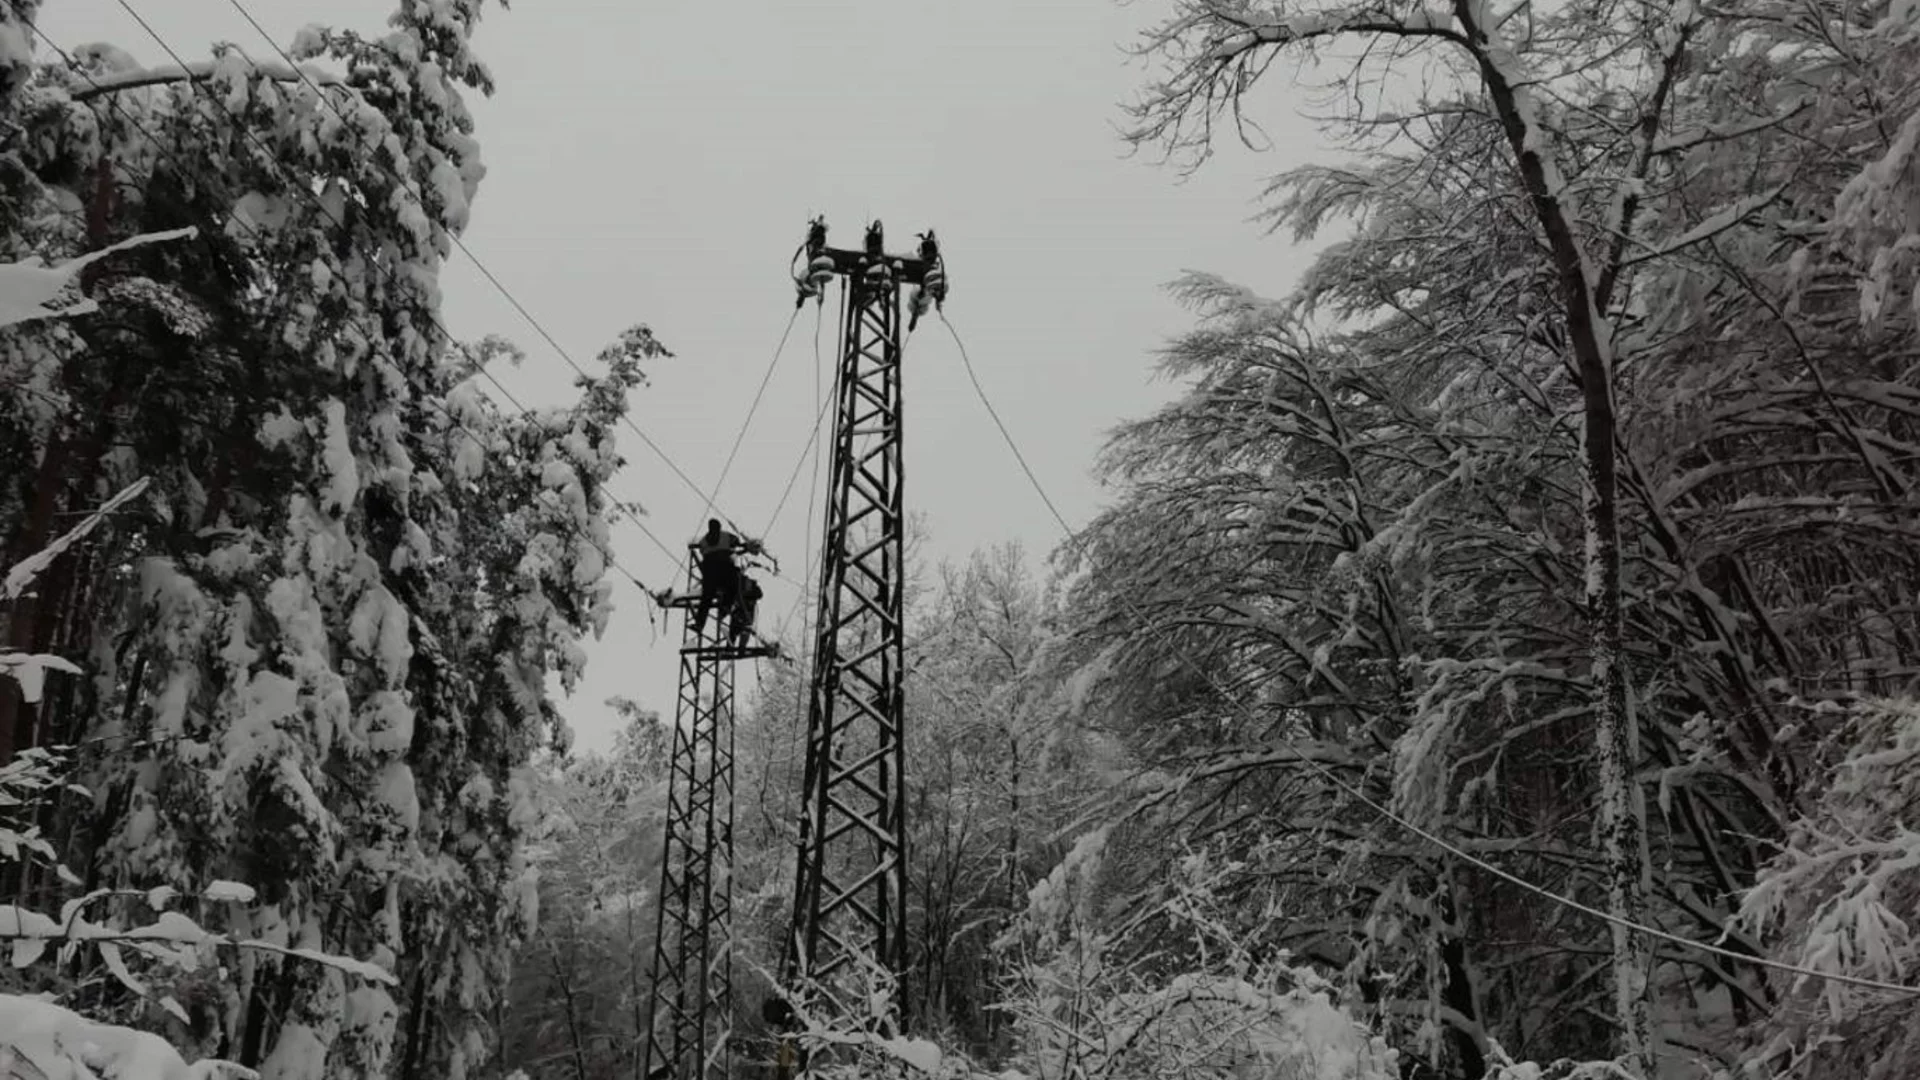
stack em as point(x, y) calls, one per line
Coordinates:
point(692, 999)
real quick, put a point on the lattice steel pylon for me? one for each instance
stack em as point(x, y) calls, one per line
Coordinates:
point(692, 989)
point(849, 910)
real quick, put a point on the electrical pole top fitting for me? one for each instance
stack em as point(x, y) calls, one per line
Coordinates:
point(925, 271)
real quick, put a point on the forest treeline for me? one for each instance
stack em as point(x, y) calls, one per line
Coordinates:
point(1547, 556)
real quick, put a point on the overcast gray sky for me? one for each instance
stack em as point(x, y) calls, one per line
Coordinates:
point(656, 162)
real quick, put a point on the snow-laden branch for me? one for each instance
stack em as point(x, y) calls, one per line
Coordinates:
point(43, 1040)
point(1681, 141)
point(1626, 203)
point(29, 568)
point(32, 931)
point(1720, 221)
point(29, 670)
point(1217, 48)
point(27, 289)
point(194, 71)
point(1434, 21)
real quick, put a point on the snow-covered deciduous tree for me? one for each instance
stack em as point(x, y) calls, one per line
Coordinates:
point(1348, 570)
point(1000, 772)
point(316, 655)
point(1368, 516)
point(53, 1041)
point(1519, 72)
point(577, 1004)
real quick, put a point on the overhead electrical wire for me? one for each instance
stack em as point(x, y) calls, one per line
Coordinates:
point(814, 494)
point(806, 563)
point(1387, 813)
point(741, 435)
point(799, 463)
point(813, 437)
point(114, 104)
point(810, 569)
point(967, 362)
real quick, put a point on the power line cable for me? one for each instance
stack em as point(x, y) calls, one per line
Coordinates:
point(809, 567)
point(1386, 813)
point(1004, 433)
point(813, 437)
point(741, 435)
point(786, 621)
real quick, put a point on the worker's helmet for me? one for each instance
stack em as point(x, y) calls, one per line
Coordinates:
point(713, 526)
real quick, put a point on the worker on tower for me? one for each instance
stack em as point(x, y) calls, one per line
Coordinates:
point(744, 608)
point(719, 574)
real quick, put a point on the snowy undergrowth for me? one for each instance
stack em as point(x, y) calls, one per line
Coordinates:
point(60, 1044)
point(1083, 1008)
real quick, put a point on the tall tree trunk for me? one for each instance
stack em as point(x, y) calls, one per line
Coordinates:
point(415, 1025)
point(1013, 820)
point(65, 476)
point(1590, 336)
point(27, 609)
point(1458, 990)
point(573, 1019)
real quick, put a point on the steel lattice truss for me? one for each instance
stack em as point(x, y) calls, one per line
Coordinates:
point(849, 900)
point(692, 951)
